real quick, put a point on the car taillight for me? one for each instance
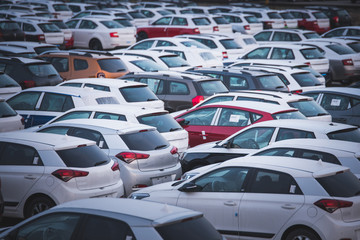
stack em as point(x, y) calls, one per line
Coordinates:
point(296, 91)
point(115, 167)
point(23, 121)
point(197, 99)
point(308, 63)
point(225, 55)
point(336, 19)
point(215, 28)
point(331, 205)
point(247, 27)
point(67, 174)
point(196, 30)
point(29, 84)
point(174, 150)
point(41, 38)
point(128, 157)
point(315, 22)
point(348, 62)
point(268, 24)
point(114, 34)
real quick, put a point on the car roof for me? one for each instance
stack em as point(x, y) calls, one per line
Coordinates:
point(179, 75)
point(302, 31)
point(24, 60)
point(46, 140)
point(143, 52)
point(119, 83)
point(291, 46)
point(278, 69)
point(25, 44)
point(235, 71)
point(74, 91)
point(341, 90)
point(15, 49)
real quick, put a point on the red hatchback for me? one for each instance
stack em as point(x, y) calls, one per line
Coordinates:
point(217, 121)
point(311, 20)
point(169, 26)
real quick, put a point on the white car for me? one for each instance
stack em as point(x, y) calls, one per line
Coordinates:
point(76, 7)
point(141, 64)
point(331, 151)
point(155, 13)
point(288, 53)
point(269, 18)
point(10, 120)
point(305, 104)
point(144, 156)
point(58, 9)
point(100, 33)
point(164, 123)
point(126, 92)
point(284, 36)
point(166, 42)
point(223, 25)
point(8, 86)
point(39, 171)
point(196, 57)
point(243, 23)
point(38, 105)
point(242, 197)
point(290, 20)
point(115, 219)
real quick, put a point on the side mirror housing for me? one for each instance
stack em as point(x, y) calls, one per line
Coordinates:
point(190, 187)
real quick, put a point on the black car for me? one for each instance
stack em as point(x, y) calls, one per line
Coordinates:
point(10, 31)
point(338, 16)
point(30, 72)
point(179, 90)
point(9, 51)
point(239, 79)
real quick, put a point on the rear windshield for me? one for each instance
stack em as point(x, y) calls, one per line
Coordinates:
point(7, 111)
point(355, 46)
point(252, 19)
point(306, 79)
point(107, 100)
point(320, 15)
point(220, 20)
point(83, 157)
point(124, 22)
point(194, 43)
point(230, 44)
point(48, 27)
point(145, 140)
point(43, 70)
point(137, 15)
point(211, 87)
point(112, 65)
point(286, 15)
point(334, 184)
point(201, 21)
point(309, 108)
point(61, 7)
point(9, 26)
point(288, 115)
point(60, 24)
point(111, 24)
point(40, 50)
point(6, 81)
point(339, 49)
point(138, 94)
point(310, 69)
point(164, 122)
point(312, 53)
point(342, 13)
point(148, 65)
point(271, 82)
point(311, 35)
point(174, 61)
point(198, 228)
point(352, 134)
point(274, 15)
point(249, 41)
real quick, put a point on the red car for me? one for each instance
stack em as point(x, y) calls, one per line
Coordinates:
point(169, 26)
point(312, 20)
point(217, 121)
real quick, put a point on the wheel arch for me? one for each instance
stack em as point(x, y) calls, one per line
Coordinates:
point(33, 196)
point(298, 226)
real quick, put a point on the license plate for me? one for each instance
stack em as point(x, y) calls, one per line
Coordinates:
point(128, 41)
point(162, 179)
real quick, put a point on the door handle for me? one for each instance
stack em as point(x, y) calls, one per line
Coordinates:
point(288, 206)
point(29, 177)
point(230, 203)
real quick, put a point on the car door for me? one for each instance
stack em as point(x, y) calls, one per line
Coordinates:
point(157, 86)
point(21, 167)
point(179, 95)
point(218, 197)
point(72, 24)
point(270, 200)
point(177, 26)
point(199, 123)
point(85, 32)
point(159, 27)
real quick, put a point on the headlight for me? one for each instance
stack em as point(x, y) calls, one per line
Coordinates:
point(139, 196)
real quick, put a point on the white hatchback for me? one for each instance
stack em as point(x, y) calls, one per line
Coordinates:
point(10, 120)
point(40, 170)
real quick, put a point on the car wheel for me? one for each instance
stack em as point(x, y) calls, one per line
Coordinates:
point(302, 234)
point(95, 44)
point(142, 36)
point(37, 205)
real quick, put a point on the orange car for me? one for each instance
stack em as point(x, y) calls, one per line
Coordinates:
point(79, 64)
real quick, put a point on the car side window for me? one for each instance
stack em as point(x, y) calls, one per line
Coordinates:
point(60, 64)
point(98, 227)
point(238, 83)
point(315, 96)
point(19, 155)
point(156, 85)
point(230, 179)
point(287, 133)
point(282, 53)
point(29, 28)
point(90, 135)
point(335, 102)
point(75, 115)
point(147, 13)
point(97, 87)
point(24, 101)
point(163, 43)
point(58, 226)
point(72, 24)
point(214, 75)
point(259, 53)
point(143, 45)
point(216, 99)
point(264, 36)
point(200, 117)
point(86, 24)
point(163, 21)
point(234, 118)
point(80, 64)
point(353, 32)
point(177, 88)
point(56, 102)
point(267, 181)
point(112, 116)
point(254, 138)
point(179, 21)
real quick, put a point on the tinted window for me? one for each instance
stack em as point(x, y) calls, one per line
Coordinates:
point(274, 15)
point(145, 140)
point(334, 184)
point(339, 49)
point(6, 110)
point(311, 35)
point(74, 115)
point(335, 102)
point(49, 27)
point(83, 157)
point(230, 44)
point(306, 79)
point(252, 19)
point(201, 21)
point(282, 53)
point(111, 24)
point(253, 138)
point(263, 36)
point(259, 53)
point(174, 61)
point(286, 133)
point(138, 94)
point(80, 64)
point(107, 100)
point(200, 117)
point(312, 53)
point(24, 101)
point(112, 65)
point(18, 154)
point(56, 102)
point(143, 45)
point(59, 63)
point(238, 83)
point(179, 21)
point(220, 20)
point(163, 21)
point(288, 115)
point(85, 24)
point(148, 65)
point(271, 82)
point(9, 26)
point(234, 118)
point(211, 87)
point(40, 50)
point(43, 70)
point(309, 108)
point(286, 15)
point(320, 15)
point(97, 87)
point(124, 22)
point(112, 116)
point(352, 135)
point(178, 88)
point(164, 122)
point(6, 81)
point(355, 46)
point(217, 99)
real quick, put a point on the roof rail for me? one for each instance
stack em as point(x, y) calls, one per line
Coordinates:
point(94, 52)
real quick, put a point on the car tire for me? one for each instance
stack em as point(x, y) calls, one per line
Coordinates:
point(37, 205)
point(95, 44)
point(141, 36)
point(302, 234)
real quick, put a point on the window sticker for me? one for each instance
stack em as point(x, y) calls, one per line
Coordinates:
point(292, 188)
point(234, 118)
point(335, 102)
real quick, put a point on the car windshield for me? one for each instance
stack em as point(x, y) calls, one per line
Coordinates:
point(43, 70)
point(286, 15)
point(306, 79)
point(174, 61)
point(252, 19)
point(194, 44)
point(334, 184)
point(349, 134)
point(274, 15)
point(138, 94)
point(309, 108)
point(311, 53)
point(144, 140)
point(211, 87)
point(355, 46)
point(163, 122)
point(6, 81)
point(288, 115)
point(124, 22)
point(148, 65)
point(111, 24)
point(112, 65)
point(48, 27)
point(230, 44)
point(201, 21)
point(9, 26)
point(340, 49)
point(6, 110)
point(311, 35)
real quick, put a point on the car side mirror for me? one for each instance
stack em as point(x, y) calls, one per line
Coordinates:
point(190, 187)
point(182, 121)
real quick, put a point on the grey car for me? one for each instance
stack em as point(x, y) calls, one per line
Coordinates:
point(341, 102)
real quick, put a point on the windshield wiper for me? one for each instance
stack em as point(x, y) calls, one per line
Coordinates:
point(279, 87)
point(151, 99)
point(174, 129)
point(160, 146)
point(100, 163)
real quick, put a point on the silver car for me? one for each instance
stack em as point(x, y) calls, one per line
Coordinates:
point(145, 157)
